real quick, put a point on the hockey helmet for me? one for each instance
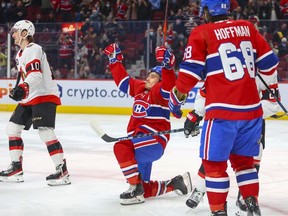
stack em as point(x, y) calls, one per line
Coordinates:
point(156, 69)
point(24, 25)
point(215, 7)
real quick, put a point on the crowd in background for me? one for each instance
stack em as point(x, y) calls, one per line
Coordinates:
point(126, 23)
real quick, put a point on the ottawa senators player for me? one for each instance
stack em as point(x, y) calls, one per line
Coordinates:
point(38, 98)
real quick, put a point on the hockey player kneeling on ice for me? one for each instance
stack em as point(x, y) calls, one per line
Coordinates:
point(38, 98)
point(150, 114)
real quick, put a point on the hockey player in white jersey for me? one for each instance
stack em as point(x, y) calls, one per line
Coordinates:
point(270, 107)
point(37, 94)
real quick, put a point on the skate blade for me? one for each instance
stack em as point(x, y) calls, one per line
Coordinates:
point(58, 182)
point(133, 201)
point(241, 213)
point(12, 179)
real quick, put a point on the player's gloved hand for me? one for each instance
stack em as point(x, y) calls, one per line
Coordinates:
point(169, 60)
point(114, 53)
point(19, 92)
point(192, 121)
point(175, 104)
point(266, 95)
point(160, 52)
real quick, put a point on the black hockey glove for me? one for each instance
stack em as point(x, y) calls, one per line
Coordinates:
point(192, 121)
point(19, 92)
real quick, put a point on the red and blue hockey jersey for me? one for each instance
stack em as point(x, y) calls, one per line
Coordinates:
point(226, 55)
point(150, 109)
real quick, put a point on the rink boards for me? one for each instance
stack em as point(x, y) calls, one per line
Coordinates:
point(99, 97)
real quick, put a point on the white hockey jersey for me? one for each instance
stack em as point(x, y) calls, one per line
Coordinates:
point(35, 71)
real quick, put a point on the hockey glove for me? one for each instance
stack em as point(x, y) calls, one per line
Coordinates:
point(266, 95)
point(169, 60)
point(19, 92)
point(159, 52)
point(114, 53)
point(192, 121)
point(175, 104)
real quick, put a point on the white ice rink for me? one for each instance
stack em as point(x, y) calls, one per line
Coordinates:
point(97, 180)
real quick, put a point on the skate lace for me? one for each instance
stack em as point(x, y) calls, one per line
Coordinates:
point(131, 189)
point(59, 169)
point(10, 168)
point(241, 200)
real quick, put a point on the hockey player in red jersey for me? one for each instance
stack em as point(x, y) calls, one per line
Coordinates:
point(38, 98)
point(270, 107)
point(226, 54)
point(150, 114)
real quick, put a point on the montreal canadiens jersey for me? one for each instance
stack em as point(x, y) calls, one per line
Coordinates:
point(226, 55)
point(35, 70)
point(150, 109)
point(269, 104)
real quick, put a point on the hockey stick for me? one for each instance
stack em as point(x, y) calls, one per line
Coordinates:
point(272, 93)
point(18, 78)
point(165, 23)
point(98, 130)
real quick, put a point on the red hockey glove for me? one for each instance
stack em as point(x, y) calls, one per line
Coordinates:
point(165, 56)
point(175, 104)
point(169, 60)
point(114, 53)
point(19, 92)
point(192, 121)
point(160, 52)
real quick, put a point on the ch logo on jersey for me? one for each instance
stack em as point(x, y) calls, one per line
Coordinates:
point(140, 109)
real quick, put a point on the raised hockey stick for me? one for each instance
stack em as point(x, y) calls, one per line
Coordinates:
point(272, 93)
point(165, 23)
point(98, 130)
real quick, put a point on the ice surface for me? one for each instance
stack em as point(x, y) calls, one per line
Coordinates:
point(97, 180)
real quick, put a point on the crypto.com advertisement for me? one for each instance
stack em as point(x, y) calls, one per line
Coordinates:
point(103, 93)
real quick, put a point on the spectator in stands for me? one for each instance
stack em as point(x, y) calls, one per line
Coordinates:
point(85, 27)
point(238, 13)
point(98, 64)
point(144, 10)
point(3, 36)
point(132, 15)
point(65, 8)
point(14, 70)
point(151, 48)
point(253, 18)
point(17, 12)
point(121, 9)
point(269, 11)
point(66, 51)
point(284, 9)
point(89, 41)
point(178, 25)
point(279, 33)
point(105, 8)
point(283, 48)
point(3, 62)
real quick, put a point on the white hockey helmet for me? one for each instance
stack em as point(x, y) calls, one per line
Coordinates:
point(24, 25)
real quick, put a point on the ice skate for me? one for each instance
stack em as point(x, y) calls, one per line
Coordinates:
point(252, 206)
point(14, 173)
point(182, 184)
point(134, 195)
point(195, 198)
point(60, 177)
point(242, 207)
